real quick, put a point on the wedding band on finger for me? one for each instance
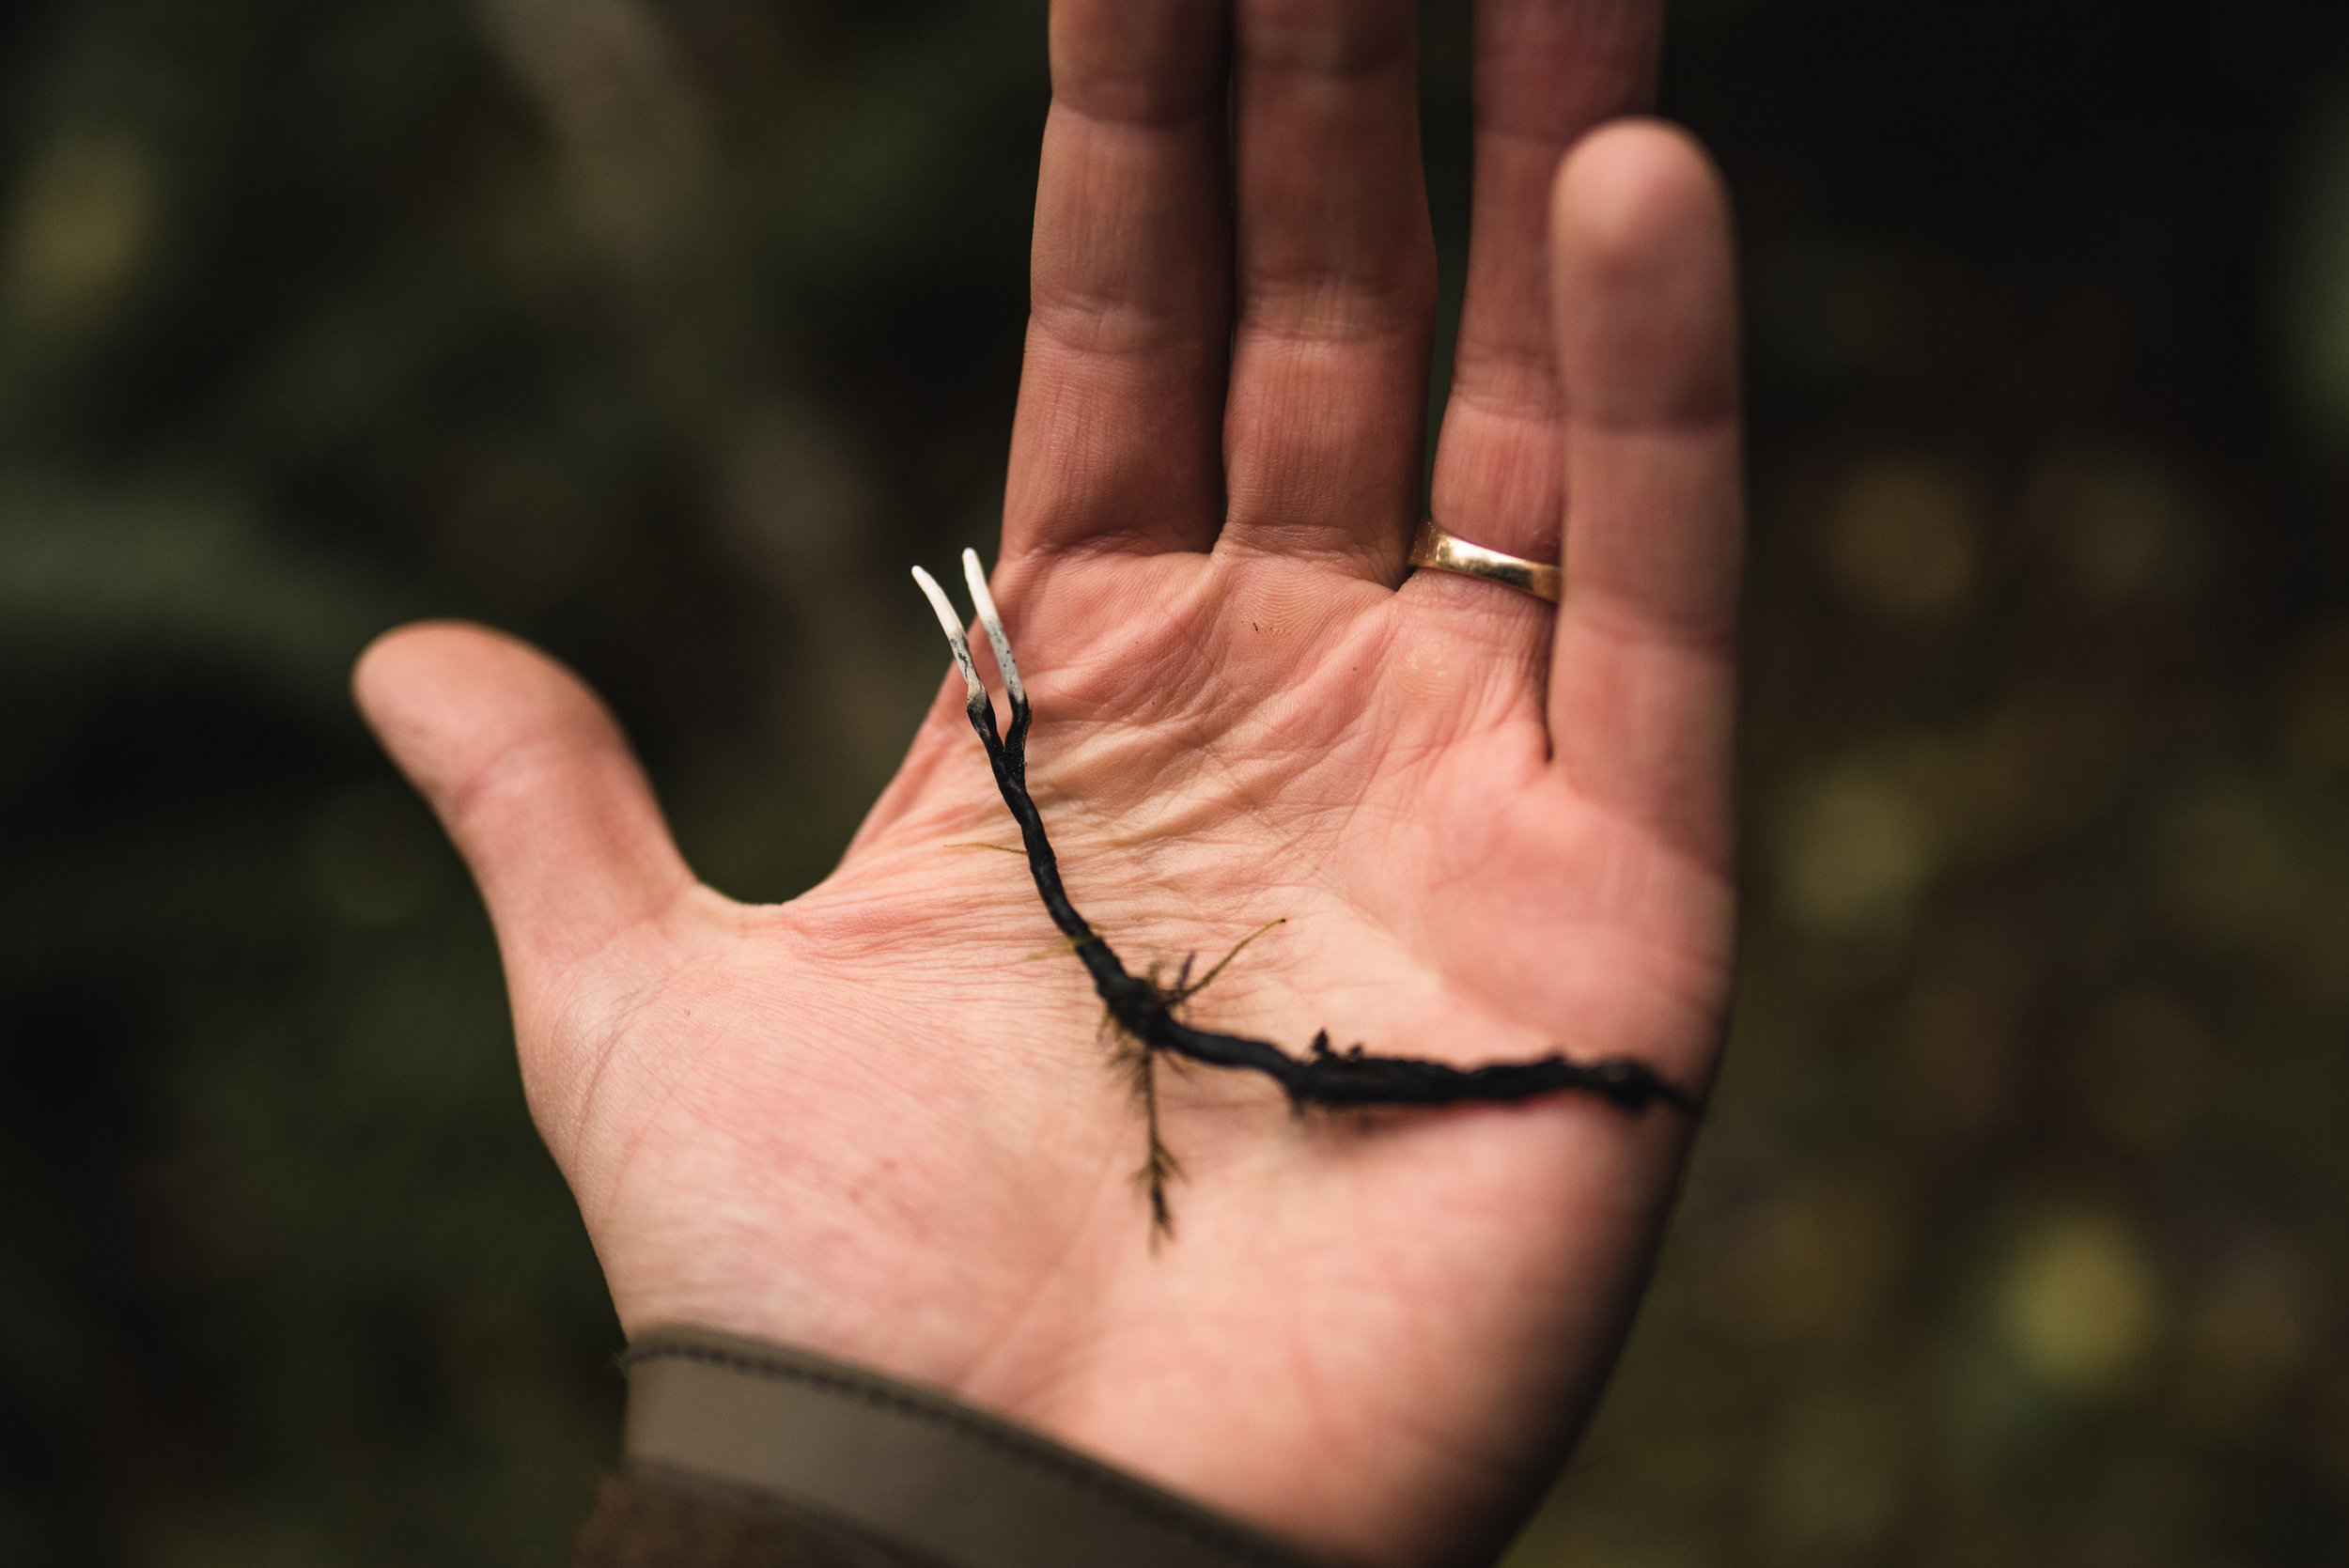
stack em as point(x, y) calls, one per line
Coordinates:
point(1440, 552)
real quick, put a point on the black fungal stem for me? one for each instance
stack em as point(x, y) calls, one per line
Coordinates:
point(1144, 1010)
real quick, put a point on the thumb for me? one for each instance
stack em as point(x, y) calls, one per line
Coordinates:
point(533, 779)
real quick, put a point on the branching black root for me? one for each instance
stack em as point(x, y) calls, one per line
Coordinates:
point(1142, 1010)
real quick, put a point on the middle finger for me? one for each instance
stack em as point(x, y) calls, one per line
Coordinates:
point(1336, 283)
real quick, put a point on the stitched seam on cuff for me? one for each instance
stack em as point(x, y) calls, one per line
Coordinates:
point(1133, 1497)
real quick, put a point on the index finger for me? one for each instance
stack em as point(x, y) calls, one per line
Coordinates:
point(1118, 435)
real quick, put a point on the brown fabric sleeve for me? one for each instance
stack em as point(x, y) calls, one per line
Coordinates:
point(742, 1453)
point(652, 1518)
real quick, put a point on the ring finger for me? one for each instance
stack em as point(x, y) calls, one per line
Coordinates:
point(1547, 71)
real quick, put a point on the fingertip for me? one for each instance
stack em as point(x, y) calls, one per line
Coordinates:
point(380, 681)
point(436, 692)
point(379, 675)
point(1625, 181)
point(445, 659)
point(532, 777)
point(1644, 275)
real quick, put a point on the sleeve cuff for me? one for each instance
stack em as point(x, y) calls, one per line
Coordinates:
point(905, 1466)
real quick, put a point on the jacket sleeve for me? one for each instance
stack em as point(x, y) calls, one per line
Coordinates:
point(742, 1455)
point(648, 1518)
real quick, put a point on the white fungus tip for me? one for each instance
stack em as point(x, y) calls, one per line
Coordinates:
point(952, 624)
point(994, 625)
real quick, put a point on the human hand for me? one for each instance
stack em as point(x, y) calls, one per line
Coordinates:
point(859, 1123)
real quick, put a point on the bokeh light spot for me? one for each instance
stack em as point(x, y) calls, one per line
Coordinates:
point(2117, 518)
point(2224, 864)
point(85, 220)
point(1856, 848)
point(1812, 1260)
point(1902, 535)
point(2079, 1305)
point(2248, 1340)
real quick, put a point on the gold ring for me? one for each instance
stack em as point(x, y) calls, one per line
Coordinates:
point(1439, 551)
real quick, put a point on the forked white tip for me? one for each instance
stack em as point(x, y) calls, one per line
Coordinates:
point(952, 623)
point(994, 623)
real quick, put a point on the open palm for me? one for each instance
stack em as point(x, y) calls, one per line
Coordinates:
point(872, 1123)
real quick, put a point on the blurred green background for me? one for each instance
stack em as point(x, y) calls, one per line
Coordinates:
point(667, 332)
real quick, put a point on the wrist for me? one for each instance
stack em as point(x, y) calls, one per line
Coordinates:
point(867, 1457)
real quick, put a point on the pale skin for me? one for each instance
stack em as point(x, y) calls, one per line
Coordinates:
point(859, 1123)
